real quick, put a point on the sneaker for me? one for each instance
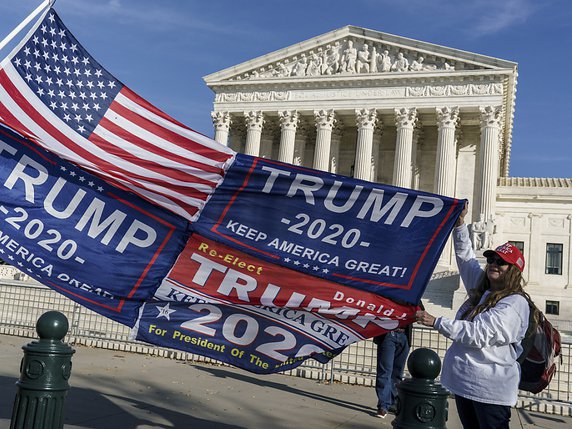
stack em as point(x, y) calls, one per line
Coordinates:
point(392, 409)
point(381, 413)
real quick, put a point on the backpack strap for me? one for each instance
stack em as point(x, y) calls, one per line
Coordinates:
point(528, 341)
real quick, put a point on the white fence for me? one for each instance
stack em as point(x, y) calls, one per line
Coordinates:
point(21, 304)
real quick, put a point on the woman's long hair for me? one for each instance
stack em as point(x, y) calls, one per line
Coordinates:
point(514, 284)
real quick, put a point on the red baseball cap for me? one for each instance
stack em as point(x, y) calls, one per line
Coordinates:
point(508, 253)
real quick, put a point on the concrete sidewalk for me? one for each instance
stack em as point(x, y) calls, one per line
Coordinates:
point(112, 389)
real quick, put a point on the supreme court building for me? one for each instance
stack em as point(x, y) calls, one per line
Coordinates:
point(394, 110)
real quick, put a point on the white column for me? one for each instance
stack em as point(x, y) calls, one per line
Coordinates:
point(445, 163)
point(375, 161)
point(337, 134)
point(325, 121)
point(221, 122)
point(365, 121)
point(288, 123)
point(491, 117)
point(254, 121)
point(405, 120)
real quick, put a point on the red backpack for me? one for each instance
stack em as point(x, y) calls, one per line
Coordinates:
point(541, 347)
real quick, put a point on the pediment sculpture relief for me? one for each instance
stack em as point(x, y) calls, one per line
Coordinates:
point(345, 58)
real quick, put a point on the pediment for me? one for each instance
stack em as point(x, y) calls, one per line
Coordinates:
point(355, 51)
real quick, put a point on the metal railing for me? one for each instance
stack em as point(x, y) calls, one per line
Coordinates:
point(21, 304)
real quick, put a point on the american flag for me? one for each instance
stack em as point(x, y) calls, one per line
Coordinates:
point(52, 89)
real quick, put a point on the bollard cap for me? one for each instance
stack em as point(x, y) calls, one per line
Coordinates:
point(52, 325)
point(424, 363)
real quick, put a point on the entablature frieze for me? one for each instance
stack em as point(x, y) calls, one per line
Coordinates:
point(406, 92)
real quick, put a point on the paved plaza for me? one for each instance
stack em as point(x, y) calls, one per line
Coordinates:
point(112, 389)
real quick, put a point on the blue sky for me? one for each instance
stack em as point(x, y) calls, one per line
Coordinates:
point(162, 49)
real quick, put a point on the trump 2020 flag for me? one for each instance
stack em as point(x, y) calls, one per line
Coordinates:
point(246, 260)
point(97, 244)
point(287, 262)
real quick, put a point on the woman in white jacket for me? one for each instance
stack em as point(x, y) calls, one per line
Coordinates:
point(480, 367)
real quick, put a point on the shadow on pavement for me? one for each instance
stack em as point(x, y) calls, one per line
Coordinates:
point(540, 420)
point(89, 409)
point(222, 373)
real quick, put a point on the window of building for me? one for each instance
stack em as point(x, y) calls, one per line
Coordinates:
point(553, 258)
point(553, 307)
point(519, 245)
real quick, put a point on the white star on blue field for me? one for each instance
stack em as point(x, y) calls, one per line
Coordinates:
point(165, 311)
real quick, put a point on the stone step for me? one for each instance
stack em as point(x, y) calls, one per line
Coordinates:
point(439, 294)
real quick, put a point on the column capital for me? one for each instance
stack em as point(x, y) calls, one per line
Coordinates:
point(254, 120)
point(289, 119)
point(405, 117)
point(325, 119)
point(491, 116)
point(447, 117)
point(221, 120)
point(366, 118)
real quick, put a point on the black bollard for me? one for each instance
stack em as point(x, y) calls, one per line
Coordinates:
point(422, 402)
point(44, 374)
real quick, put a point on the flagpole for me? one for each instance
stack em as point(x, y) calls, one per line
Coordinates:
point(40, 8)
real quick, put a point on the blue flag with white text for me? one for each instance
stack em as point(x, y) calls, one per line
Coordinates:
point(98, 245)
